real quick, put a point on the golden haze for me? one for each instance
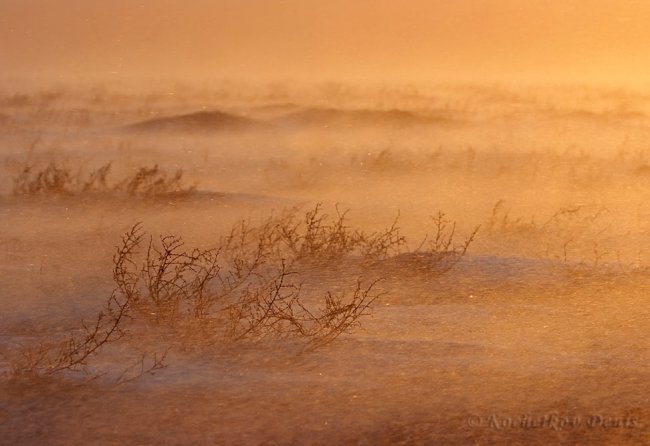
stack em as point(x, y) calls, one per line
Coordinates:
point(380, 40)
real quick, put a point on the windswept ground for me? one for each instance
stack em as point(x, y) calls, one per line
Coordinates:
point(537, 335)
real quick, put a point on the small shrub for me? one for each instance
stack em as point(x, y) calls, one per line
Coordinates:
point(501, 222)
point(567, 236)
point(55, 180)
point(52, 180)
point(440, 254)
point(316, 237)
point(382, 245)
point(151, 181)
point(97, 179)
point(442, 247)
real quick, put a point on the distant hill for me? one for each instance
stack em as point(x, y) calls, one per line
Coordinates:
point(596, 116)
point(325, 117)
point(203, 121)
point(218, 121)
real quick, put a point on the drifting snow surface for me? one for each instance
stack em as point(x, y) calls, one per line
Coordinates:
point(432, 359)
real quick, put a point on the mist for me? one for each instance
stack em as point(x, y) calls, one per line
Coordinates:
point(581, 41)
point(324, 222)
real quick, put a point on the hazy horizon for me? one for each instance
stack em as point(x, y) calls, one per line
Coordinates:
point(580, 41)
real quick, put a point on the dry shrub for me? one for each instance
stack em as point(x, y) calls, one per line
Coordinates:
point(248, 287)
point(74, 352)
point(437, 255)
point(240, 290)
point(279, 311)
point(442, 246)
point(316, 237)
point(573, 236)
point(500, 221)
point(319, 238)
point(152, 181)
point(51, 180)
point(340, 314)
point(381, 245)
point(237, 291)
point(97, 179)
point(56, 180)
point(569, 221)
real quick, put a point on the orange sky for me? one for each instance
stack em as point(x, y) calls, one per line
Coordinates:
point(378, 40)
